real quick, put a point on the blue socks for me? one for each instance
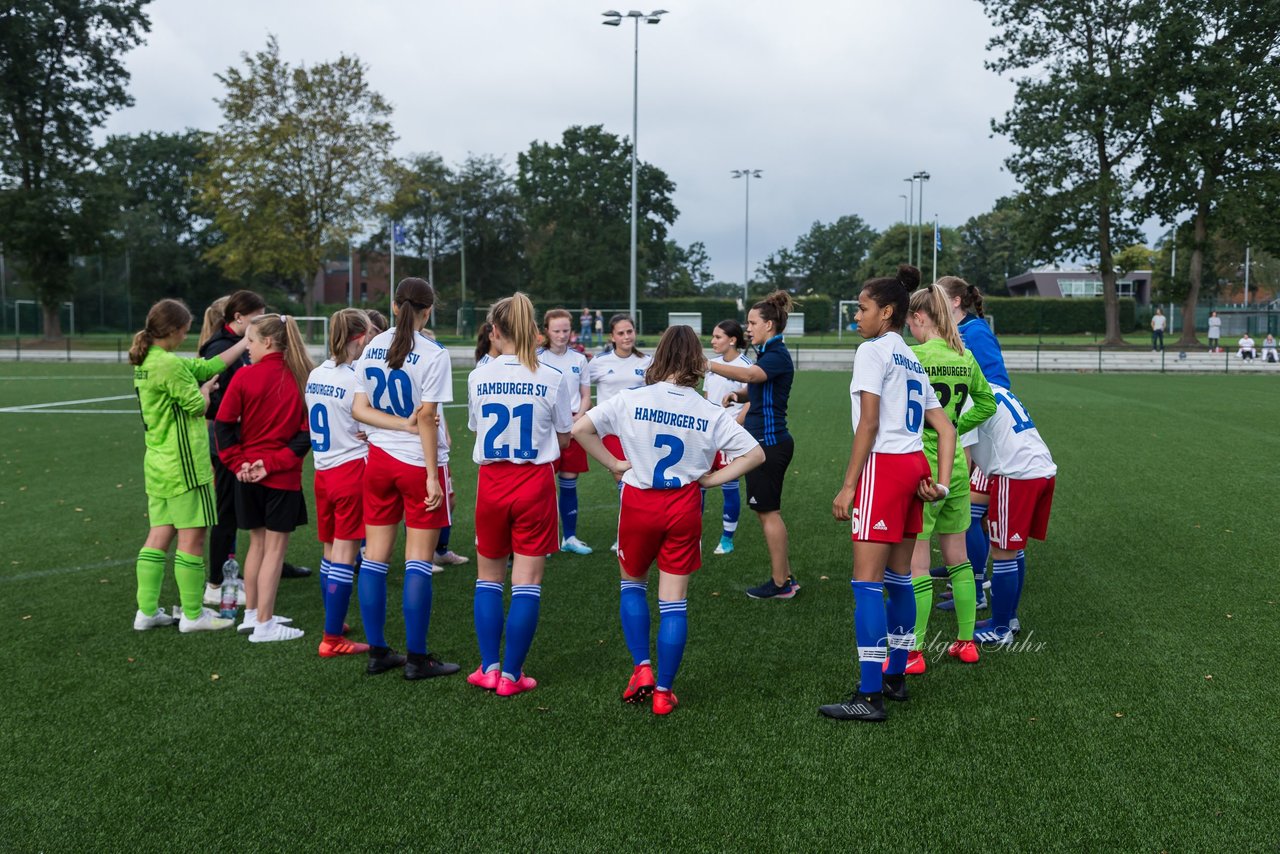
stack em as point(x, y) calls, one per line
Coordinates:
point(633, 609)
point(732, 507)
point(900, 616)
point(567, 501)
point(1004, 592)
point(976, 543)
point(442, 544)
point(373, 601)
point(673, 630)
point(417, 605)
point(522, 622)
point(337, 596)
point(489, 619)
point(870, 628)
point(324, 581)
point(1022, 577)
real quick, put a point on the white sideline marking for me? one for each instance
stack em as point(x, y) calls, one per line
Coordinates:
point(33, 406)
point(68, 412)
point(94, 377)
point(65, 570)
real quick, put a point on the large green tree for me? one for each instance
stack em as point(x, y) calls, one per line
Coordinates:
point(297, 166)
point(576, 200)
point(1214, 150)
point(680, 271)
point(829, 254)
point(1087, 80)
point(61, 75)
point(890, 248)
point(995, 246)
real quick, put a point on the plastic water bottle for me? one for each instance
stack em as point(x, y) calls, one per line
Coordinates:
point(230, 572)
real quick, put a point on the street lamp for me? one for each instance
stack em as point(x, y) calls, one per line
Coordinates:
point(746, 174)
point(614, 19)
point(905, 208)
point(907, 219)
point(921, 176)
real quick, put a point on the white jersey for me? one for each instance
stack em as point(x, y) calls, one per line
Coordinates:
point(330, 390)
point(425, 376)
point(574, 367)
point(1009, 443)
point(442, 442)
point(886, 367)
point(670, 433)
point(716, 386)
point(611, 374)
point(516, 413)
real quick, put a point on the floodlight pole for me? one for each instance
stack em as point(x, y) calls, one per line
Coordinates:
point(905, 210)
point(906, 220)
point(922, 176)
point(746, 174)
point(613, 19)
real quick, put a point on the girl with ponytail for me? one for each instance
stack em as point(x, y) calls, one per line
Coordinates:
point(768, 388)
point(521, 412)
point(402, 378)
point(262, 437)
point(339, 450)
point(173, 394)
point(957, 380)
point(886, 482)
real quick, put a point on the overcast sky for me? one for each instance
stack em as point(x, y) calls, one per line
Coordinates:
point(836, 102)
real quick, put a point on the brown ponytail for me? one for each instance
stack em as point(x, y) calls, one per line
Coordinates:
point(774, 309)
point(285, 337)
point(414, 298)
point(970, 297)
point(514, 318)
point(165, 318)
point(346, 324)
point(212, 321)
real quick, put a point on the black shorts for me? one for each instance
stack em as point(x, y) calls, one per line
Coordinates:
point(764, 483)
point(279, 510)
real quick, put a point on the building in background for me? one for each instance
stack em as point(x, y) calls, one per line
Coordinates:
point(371, 284)
point(1079, 283)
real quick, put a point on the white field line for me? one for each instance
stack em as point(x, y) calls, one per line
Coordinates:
point(93, 377)
point(32, 406)
point(65, 570)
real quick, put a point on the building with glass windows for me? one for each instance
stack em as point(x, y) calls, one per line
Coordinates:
point(1079, 283)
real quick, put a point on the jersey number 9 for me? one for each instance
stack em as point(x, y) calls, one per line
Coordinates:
point(321, 439)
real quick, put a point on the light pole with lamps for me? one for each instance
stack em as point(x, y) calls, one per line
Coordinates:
point(921, 176)
point(905, 209)
point(911, 204)
point(746, 174)
point(614, 19)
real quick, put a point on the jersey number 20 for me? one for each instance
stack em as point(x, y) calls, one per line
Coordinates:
point(396, 386)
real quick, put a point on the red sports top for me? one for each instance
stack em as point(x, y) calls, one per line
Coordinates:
point(262, 417)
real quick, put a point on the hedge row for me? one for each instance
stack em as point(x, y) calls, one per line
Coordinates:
point(1058, 316)
point(818, 312)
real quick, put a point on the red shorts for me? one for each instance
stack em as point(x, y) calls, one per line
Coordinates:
point(614, 444)
point(340, 502)
point(573, 460)
point(516, 510)
point(1019, 510)
point(885, 506)
point(721, 460)
point(394, 490)
point(663, 525)
point(978, 482)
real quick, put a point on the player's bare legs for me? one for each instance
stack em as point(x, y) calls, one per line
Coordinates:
point(274, 545)
point(778, 543)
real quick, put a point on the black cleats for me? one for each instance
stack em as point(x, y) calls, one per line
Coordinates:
point(428, 666)
point(382, 659)
point(895, 688)
point(859, 707)
point(291, 571)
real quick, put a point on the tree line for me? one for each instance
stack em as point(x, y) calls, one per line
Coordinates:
point(1124, 111)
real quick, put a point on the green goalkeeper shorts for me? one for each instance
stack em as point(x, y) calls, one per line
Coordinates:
point(951, 514)
point(195, 508)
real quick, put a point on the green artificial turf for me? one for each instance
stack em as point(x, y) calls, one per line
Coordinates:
point(1138, 713)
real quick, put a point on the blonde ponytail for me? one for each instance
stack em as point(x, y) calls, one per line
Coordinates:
point(285, 337)
point(346, 324)
point(514, 318)
point(932, 301)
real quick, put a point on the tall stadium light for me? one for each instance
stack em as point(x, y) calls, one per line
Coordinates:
point(746, 174)
point(921, 176)
point(905, 209)
point(911, 206)
point(614, 19)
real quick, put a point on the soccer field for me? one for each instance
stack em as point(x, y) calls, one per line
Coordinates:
point(1138, 711)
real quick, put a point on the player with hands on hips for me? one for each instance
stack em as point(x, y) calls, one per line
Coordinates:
point(402, 378)
point(339, 449)
point(671, 436)
point(557, 325)
point(728, 341)
point(885, 484)
point(521, 411)
point(173, 395)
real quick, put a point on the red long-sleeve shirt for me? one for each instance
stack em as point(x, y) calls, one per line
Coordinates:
point(262, 417)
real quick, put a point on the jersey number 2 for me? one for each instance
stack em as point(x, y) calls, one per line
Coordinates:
point(675, 451)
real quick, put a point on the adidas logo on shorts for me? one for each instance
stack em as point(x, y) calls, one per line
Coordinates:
point(880, 526)
point(1016, 538)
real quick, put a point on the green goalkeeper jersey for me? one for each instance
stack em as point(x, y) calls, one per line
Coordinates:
point(955, 379)
point(168, 388)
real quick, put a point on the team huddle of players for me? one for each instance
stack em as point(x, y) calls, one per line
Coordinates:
point(372, 416)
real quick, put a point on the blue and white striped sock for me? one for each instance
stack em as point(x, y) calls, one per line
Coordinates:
point(732, 508)
point(522, 622)
point(337, 596)
point(373, 601)
point(487, 606)
point(900, 617)
point(417, 605)
point(633, 610)
point(567, 503)
point(1004, 592)
point(324, 579)
point(673, 632)
point(869, 630)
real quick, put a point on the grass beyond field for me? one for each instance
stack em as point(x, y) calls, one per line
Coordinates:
point(1139, 712)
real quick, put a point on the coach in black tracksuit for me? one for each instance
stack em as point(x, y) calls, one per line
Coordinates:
point(242, 308)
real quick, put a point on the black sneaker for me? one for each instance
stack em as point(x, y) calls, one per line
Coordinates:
point(382, 659)
point(769, 590)
point(859, 707)
point(291, 571)
point(939, 572)
point(895, 687)
point(427, 666)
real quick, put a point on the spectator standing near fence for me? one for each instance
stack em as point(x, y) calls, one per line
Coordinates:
point(1157, 330)
point(1215, 331)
